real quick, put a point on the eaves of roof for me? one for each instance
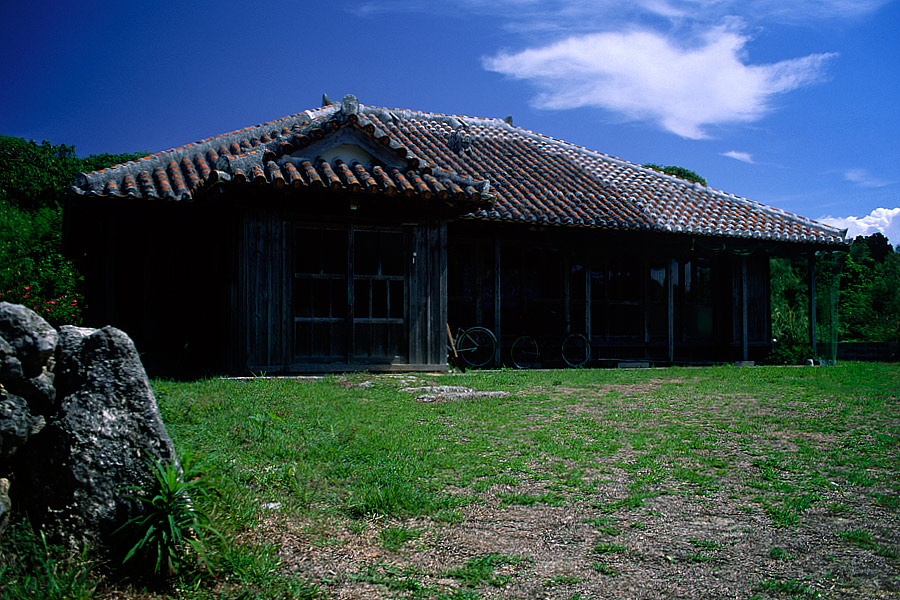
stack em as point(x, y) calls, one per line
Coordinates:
point(487, 167)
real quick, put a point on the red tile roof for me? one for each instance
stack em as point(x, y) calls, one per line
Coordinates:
point(495, 170)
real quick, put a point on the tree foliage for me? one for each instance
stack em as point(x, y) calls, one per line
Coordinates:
point(870, 291)
point(867, 280)
point(679, 172)
point(34, 179)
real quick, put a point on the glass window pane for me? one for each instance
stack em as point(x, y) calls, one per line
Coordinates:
point(321, 297)
point(303, 298)
point(624, 281)
point(379, 299)
point(598, 286)
point(362, 294)
point(396, 300)
point(302, 339)
point(599, 320)
point(307, 251)
point(338, 298)
point(391, 252)
point(658, 283)
point(626, 322)
point(365, 253)
point(334, 251)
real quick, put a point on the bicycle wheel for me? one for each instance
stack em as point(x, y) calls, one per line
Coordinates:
point(576, 350)
point(525, 352)
point(476, 346)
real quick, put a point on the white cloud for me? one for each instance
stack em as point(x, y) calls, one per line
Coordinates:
point(863, 178)
point(741, 156)
point(884, 220)
point(645, 75)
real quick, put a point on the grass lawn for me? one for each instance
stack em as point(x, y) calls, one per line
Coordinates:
point(768, 482)
point(720, 482)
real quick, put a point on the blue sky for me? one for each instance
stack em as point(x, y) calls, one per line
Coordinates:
point(794, 104)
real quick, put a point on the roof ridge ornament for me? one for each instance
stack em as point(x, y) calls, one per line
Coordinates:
point(460, 142)
point(350, 105)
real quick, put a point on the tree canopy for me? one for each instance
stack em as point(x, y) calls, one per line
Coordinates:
point(34, 176)
point(870, 291)
point(34, 179)
point(679, 172)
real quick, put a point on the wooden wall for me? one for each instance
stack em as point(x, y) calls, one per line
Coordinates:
point(261, 297)
point(261, 303)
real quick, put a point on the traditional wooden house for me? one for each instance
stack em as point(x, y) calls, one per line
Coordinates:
point(347, 237)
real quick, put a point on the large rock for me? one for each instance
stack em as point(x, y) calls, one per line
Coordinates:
point(10, 366)
point(32, 339)
point(17, 424)
point(27, 344)
point(27, 347)
point(95, 448)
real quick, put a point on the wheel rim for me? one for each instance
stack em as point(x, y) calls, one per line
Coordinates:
point(576, 350)
point(525, 352)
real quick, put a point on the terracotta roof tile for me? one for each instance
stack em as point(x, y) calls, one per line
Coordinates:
point(499, 171)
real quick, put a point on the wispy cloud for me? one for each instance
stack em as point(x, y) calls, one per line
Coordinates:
point(884, 220)
point(613, 13)
point(578, 15)
point(741, 156)
point(863, 178)
point(645, 75)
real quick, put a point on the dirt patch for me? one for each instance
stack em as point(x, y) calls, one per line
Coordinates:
point(450, 393)
point(675, 545)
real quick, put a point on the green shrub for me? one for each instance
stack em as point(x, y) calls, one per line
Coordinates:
point(33, 271)
point(166, 536)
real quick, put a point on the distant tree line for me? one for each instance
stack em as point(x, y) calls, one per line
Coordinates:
point(34, 179)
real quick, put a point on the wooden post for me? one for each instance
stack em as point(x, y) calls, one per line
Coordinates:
point(439, 295)
point(670, 308)
point(813, 341)
point(567, 295)
point(587, 301)
point(479, 286)
point(498, 299)
point(744, 314)
point(351, 304)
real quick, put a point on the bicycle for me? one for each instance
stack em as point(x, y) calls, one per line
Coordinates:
point(575, 351)
point(476, 346)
